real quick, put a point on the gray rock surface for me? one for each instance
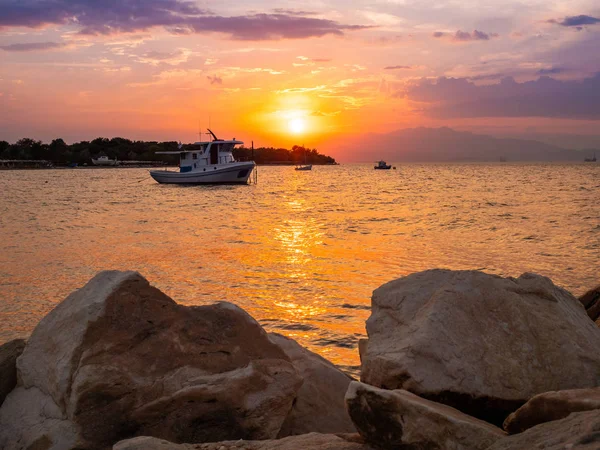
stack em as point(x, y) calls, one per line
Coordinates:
point(551, 406)
point(578, 431)
point(319, 405)
point(9, 352)
point(311, 441)
point(118, 358)
point(400, 420)
point(478, 342)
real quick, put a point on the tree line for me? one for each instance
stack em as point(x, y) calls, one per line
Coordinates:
point(59, 152)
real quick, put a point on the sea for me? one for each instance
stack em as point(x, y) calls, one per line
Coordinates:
point(300, 251)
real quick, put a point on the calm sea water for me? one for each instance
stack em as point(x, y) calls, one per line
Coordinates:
point(300, 251)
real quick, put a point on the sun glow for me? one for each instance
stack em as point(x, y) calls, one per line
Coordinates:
point(297, 125)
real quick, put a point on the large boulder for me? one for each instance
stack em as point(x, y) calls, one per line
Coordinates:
point(551, 406)
point(398, 419)
point(312, 441)
point(319, 405)
point(578, 431)
point(591, 302)
point(478, 342)
point(9, 352)
point(118, 358)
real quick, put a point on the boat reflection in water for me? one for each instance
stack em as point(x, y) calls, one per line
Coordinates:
point(210, 162)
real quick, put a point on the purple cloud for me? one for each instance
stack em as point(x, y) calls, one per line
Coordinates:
point(177, 16)
point(396, 67)
point(32, 46)
point(545, 97)
point(465, 36)
point(576, 21)
point(215, 79)
point(551, 71)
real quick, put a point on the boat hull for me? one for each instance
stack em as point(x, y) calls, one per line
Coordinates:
point(110, 162)
point(230, 173)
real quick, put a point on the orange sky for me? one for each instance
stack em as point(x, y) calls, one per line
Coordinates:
point(335, 70)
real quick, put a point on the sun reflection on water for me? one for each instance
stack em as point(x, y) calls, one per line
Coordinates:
point(301, 252)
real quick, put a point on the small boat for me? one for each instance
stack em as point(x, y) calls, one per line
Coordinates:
point(210, 162)
point(306, 167)
point(592, 159)
point(381, 165)
point(104, 161)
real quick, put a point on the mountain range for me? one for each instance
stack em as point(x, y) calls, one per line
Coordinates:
point(445, 144)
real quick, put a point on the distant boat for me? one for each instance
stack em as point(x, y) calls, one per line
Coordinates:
point(211, 163)
point(104, 161)
point(305, 166)
point(382, 165)
point(592, 159)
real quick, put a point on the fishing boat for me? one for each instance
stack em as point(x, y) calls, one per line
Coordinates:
point(209, 162)
point(592, 159)
point(382, 165)
point(305, 166)
point(104, 161)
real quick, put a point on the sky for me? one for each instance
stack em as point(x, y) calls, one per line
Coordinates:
point(317, 72)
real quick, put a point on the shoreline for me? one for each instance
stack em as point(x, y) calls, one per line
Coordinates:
point(126, 367)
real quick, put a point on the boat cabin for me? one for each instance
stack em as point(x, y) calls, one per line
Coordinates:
point(204, 154)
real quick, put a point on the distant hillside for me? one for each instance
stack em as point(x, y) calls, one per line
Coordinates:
point(446, 144)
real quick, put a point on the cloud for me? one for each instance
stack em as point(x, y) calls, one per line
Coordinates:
point(465, 36)
point(177, 16)
point(173, 58)
point(544, 97)
point(215, 79)
point(576, 21)
point(551, 71)
point(396, 67)
point(33, 46)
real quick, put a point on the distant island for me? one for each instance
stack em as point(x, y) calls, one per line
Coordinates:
point(59, 153)
point(297, 155)
point(448, 145)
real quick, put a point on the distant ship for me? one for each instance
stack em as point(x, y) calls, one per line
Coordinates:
point(104, 161)
point(382, 165)
point(592, 159)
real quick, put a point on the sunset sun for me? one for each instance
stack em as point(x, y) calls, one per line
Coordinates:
point(297, 125)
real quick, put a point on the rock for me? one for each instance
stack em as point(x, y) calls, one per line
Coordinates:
point(319, 405)
point(9, 352)
point(118, 359)
point(579, 431)
point(311, 441)
point(551, 406)
point(480, 343)
point(398, 419)
point(591, 302)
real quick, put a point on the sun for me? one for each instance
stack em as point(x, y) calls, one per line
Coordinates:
point(297, 125)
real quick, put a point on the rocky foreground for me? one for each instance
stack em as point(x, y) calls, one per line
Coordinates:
point(454, 360)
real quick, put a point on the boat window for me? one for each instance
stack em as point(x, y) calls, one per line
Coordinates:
point(182, 155)
point(195, 155)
